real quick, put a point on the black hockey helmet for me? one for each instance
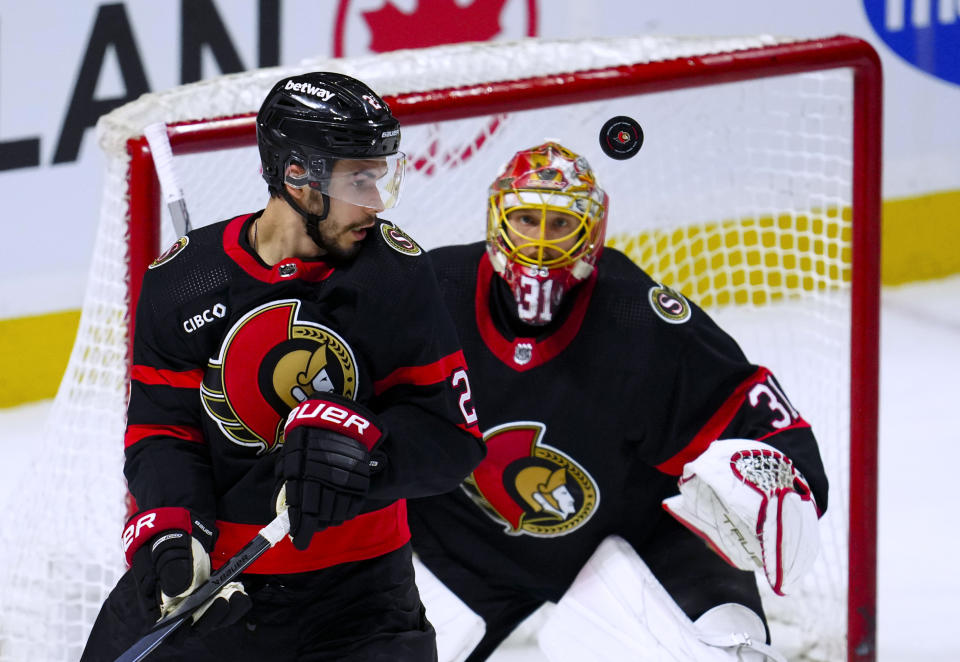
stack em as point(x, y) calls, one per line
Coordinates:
point(313, 119)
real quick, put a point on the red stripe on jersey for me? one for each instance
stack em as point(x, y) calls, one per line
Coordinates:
point(160, 377)
point(363, 537)
point(540, 351)
point(136, 433)
point(422, 375)
point(284, 270)
point(799, 423)
point(713, 427)
point(472, 429)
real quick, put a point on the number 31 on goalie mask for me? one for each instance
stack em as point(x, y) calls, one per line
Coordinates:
point(545, 227)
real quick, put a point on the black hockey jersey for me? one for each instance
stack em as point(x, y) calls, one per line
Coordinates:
point(588, 426)
point(225, 346)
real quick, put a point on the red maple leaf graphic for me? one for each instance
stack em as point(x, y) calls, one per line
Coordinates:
point(451, 157)
point(431, 23)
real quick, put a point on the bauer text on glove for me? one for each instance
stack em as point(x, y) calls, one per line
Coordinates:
point(325, 465)
point(169, 552)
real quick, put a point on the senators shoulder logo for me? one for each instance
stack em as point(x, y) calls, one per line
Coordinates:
point(529, 487)
point(269, 362)
point(399, 240)
point(170, 253)
point(668, 304)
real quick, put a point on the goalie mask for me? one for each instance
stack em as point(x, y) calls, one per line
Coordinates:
point(545, 228)
point(309, 122)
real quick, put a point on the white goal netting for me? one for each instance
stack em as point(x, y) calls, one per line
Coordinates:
point(746, 196)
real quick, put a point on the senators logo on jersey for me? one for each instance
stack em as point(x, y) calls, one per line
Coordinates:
point(530, 487)
point(399, 240)
point(668, 304)
point(170, 253)
point(269, 362)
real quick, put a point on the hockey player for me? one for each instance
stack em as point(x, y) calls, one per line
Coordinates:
point(304, 346)
point(599, 387)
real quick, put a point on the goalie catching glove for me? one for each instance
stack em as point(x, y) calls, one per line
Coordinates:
point(326, 463)
point(750, 504)
point(168, 564)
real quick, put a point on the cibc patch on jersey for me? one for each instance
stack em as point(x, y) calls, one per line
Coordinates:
point(170, 253)
point(399, 240)
point(286, 360)
point(669, 304)
point(529, 487)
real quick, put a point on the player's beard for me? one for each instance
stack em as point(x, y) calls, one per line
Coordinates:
point(337, 251)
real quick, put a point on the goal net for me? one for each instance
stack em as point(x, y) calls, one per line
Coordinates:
point(756, 194)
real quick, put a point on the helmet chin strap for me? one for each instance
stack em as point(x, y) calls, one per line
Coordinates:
point(312, 221)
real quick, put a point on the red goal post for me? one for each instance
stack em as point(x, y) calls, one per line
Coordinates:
point(794, 123)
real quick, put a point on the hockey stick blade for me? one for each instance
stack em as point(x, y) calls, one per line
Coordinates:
point(266, 538)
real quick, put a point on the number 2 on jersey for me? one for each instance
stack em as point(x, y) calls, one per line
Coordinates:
point(466, 407)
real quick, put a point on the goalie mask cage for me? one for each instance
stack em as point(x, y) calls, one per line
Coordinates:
point(756, 193)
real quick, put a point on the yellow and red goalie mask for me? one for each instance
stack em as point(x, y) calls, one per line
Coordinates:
point(545, 228)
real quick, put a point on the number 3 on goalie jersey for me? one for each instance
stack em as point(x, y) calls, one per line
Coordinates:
point(466, 407)
point(769, 393)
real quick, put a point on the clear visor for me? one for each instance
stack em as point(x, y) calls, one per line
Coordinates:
point(373, 183)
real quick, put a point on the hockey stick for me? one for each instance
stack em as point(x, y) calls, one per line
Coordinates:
point(266, 538)
point(156, 135)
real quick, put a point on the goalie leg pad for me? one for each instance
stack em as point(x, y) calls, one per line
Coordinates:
point(617, 610)
point(737, 628)
point(459, 628)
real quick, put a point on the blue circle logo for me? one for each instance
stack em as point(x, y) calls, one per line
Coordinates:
point(925, 33)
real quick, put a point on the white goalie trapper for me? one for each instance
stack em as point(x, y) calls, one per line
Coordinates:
point(751, 505)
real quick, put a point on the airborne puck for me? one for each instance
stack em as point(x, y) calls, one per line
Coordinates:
point(621, 137)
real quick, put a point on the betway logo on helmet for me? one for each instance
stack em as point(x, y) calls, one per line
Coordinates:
point(307, 88)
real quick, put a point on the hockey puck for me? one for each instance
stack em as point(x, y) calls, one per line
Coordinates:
point(621, 137)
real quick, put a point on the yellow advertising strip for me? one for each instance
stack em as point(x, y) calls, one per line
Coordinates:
point(34, 352)
point(921, 238)
point(736, 261)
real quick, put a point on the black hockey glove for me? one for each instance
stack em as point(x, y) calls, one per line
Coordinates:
point(328, 456)
point(169, 563)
